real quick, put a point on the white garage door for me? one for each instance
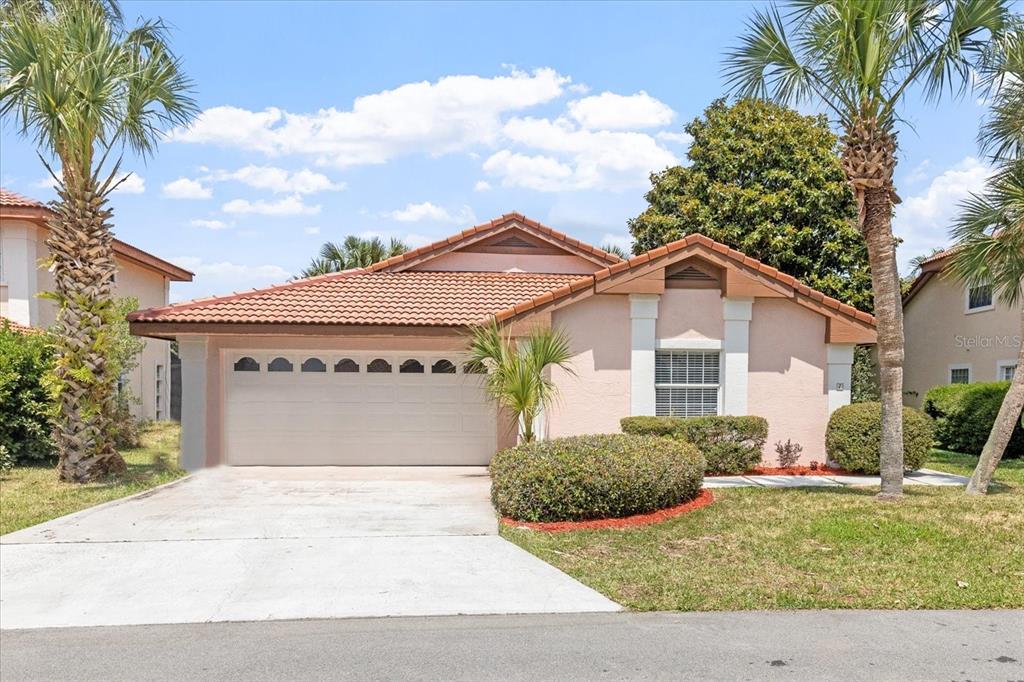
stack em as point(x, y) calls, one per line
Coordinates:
point(315, 408)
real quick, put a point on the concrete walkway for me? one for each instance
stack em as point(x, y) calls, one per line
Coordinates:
point(849, 646)
point(919, 477)
point(271, 543)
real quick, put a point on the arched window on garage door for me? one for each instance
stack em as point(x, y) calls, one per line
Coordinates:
point(411, 366)
point(443, 367)
point(346, 365)
point(314, 365)
point(280, 365)
point(246, 364)
point(379, 366)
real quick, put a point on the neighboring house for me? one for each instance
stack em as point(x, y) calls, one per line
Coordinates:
point(366, 366)
point(955, 335)
point(141, 275)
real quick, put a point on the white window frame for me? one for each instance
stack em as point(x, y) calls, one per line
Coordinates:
point(1000, 364)
point(967, 366)
point(968, 310)
point(705, 350)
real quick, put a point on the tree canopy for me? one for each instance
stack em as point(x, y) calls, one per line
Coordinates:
point(353, 252)
point(767, 181)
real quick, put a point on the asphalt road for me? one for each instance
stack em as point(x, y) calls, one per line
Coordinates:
point(807, 645)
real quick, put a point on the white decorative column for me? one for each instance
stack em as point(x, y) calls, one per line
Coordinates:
point(735, 349)
point(643, 314)
point(194, 360)
point(840, 374)
point(20, 271)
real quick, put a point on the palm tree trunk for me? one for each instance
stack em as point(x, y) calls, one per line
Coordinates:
point(1002, 430)
point(81, 248)
point(885, 282)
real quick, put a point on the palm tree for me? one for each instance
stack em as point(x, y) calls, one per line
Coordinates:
point(354, 252)
point(82, 86)
point(518, 375)
point(990, 231)
point(615, 250)
point(859, 58)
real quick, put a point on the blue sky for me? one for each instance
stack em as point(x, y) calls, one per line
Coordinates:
point(417, 120)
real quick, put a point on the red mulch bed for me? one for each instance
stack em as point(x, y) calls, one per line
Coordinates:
point(702, 500)
point(790, 471)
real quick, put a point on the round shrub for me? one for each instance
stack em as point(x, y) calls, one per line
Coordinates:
point(854, 437)
point(730, 445)
point(594, 477)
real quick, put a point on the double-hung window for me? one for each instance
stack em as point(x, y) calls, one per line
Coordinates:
point(686, 383)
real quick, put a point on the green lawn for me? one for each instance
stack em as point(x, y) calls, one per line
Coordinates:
point(31, 495)
point(812, 548)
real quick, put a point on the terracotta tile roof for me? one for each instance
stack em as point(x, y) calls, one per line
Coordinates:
point(359, 297)
point(506, 221)
point(22, 207)
point(18, 327)
point(9, 198)
point(664, 252)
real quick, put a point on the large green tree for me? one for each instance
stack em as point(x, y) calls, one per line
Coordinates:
point(859, 59)
point(766, 180)
point(83, 87)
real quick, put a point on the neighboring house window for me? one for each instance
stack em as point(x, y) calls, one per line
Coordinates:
point(959, 375)
point(1006, 372)
point(443, 367)
point(686, 383)
point(979, 298)
point(159, 402)
point(379, 366)
point(346, 365)
point(246, 364)
point(280, 365)
point(314, 365)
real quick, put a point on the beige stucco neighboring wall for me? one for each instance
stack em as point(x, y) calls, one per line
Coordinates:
point(466, 261)
point(23, 240)
point(940, 333)
point(597, 397)
point(787, 371)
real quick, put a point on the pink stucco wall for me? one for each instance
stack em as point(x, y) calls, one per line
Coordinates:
point(690, 314)
point(787, 382)
point(465, 261)
point(596, 398)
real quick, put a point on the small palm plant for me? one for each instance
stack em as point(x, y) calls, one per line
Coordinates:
point(518, 376)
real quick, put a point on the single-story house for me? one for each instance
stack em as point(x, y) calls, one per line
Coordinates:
point(140, 275)
point(366, 366)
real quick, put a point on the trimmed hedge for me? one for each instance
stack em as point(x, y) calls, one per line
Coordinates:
point(594, 477)
point(26, 402)
point(730, 445)
point(854, 437)
point(964, 415)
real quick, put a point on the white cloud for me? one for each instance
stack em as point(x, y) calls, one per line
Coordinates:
point(601, 159)
point(482, 186)
point(186, 188)
point(414, 213)
point(280, 181)
point(451, 114)
point(223, 277)
point(609, 111)
point(685, 139)
point(209, 224)
point(311, 230)
point(292, 205)
point(923, 220)
point(131, 184)
point(620, 240)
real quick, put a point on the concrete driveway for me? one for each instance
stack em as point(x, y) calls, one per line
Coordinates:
point(268, 543)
